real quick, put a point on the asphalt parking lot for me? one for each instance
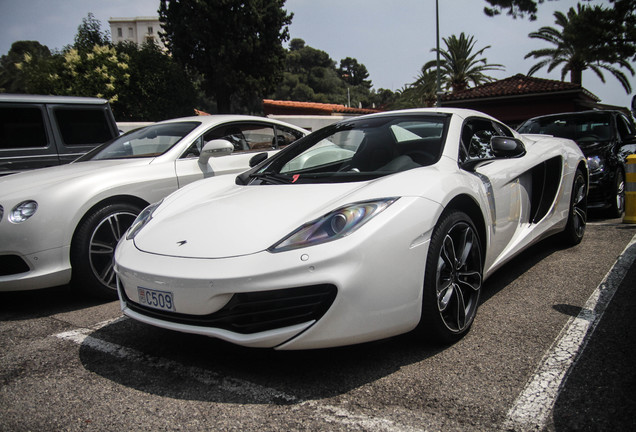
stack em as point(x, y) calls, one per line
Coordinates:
point(76, 364)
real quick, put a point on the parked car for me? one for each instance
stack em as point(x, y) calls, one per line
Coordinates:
point(606, 137)
point(366, 229)
point(41, 131)
point(61, 224)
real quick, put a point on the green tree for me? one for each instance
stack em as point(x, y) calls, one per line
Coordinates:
point(157, 88)
point(576, 47)
point(460, 65)
point(25, 67)
point(100, 72)
point(354, 73)
point(311, 76)
point(90, 33)
point(235, 45)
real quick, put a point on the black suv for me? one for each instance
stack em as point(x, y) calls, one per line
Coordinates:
point(40, 131)
point(606, 137)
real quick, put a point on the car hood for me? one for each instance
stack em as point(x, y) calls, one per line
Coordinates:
point(217, 219)
point(29, 183)
point(593, 147)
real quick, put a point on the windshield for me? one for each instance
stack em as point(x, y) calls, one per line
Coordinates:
point(578, 127)
point(360, 149)
point(150, 141)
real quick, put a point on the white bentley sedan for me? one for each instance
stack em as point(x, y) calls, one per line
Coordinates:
point(61, 224)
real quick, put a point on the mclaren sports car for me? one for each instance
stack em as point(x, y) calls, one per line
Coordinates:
point(366, 229)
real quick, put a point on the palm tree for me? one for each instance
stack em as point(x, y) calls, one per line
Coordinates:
point(575, 48)
point(459, 66)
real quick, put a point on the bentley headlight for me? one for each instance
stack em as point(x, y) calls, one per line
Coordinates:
point(337, 224)
point(595, 163)
point(23, 211)
point(144, 217)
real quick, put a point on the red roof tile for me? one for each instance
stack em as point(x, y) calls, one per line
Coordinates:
point(516, 85)
point(312, 108)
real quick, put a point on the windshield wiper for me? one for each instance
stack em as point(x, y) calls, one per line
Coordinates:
point(271, 178)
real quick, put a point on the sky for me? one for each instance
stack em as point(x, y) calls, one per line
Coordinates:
point(392, 38)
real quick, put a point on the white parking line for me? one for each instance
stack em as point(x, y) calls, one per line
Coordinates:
point(534, 405)
point(246, 389)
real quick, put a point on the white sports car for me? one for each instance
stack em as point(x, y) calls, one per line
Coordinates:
point(366, 229)
point(62, 224)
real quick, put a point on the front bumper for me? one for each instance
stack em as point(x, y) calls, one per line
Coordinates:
point(367, 286)
point(19, 272)
point(602, 193)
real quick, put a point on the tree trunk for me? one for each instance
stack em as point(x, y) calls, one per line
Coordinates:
point(576, 76)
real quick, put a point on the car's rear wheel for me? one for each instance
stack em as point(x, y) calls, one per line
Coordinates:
point(94, 245)
point(617, 206)
point(453, 279)
point(577, 217)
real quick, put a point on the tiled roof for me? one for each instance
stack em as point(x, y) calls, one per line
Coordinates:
point(517, 85)
point(313, 107)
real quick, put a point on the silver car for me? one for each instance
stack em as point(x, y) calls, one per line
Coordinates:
point(61, 224)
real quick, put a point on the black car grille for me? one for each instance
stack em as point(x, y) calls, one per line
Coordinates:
point(12, 264)
point(254, 312)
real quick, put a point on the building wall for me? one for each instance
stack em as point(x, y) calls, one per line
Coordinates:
point(138, 30)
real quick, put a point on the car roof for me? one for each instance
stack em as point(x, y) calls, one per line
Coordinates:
point(226, 118)
point(460, 112)
point(575, 113)
point(75, 100)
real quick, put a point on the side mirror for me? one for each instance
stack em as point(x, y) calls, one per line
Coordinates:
point(502, 148)
point(256, 159)
point(505, 147)
point(215, 148)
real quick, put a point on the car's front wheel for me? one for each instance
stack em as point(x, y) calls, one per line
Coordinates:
point(453, 279)
point(94, 245)
point(617, 206)
point(577, 217)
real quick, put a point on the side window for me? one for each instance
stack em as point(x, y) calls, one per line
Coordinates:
point(244, 136)
point(81, 126)
point(286, 136)
point(22, 127)
point(476, 135)
point(625, 128)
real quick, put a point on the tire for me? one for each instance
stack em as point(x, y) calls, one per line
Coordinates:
point(452, 281)
point(93, 248)
point(617, 206)
point(577, 216)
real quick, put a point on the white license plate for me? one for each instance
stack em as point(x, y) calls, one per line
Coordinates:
point(156, 299)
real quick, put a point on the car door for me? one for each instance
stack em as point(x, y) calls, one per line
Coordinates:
point(248, 139)
point(506, 184)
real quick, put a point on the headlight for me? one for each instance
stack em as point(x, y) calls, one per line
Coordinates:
point(144, 217)
point(332, 226)
point(595, 163)
point(23, 211)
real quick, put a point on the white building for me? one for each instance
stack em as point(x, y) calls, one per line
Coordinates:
point(137, 29)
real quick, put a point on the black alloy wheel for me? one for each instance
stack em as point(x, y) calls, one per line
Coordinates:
point(577, 217)
point(453, 279)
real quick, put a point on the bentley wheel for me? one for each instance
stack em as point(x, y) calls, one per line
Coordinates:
point(577, 218)
point(93, 248)
point(453, 279)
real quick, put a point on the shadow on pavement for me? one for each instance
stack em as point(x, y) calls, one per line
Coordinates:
point(23, 305)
